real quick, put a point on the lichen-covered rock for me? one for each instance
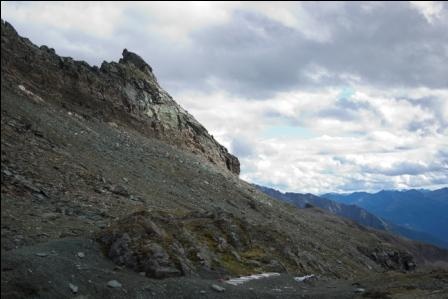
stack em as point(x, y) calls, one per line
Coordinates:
point(390, 259)
point(126, 93)
point(163, 245)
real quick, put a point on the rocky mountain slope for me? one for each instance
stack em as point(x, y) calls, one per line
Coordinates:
point(416, 210)
point(126, 93)
point(109, 186)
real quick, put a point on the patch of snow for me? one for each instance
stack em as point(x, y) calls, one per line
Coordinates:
point(304, 278)
point(30, 94)
point(243, 279)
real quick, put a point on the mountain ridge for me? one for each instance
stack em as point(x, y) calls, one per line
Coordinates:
point(353, 212)
point(423, 211)
point(126, 93)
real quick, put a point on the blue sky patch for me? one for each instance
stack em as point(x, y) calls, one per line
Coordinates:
point(346, 93)
point(286, 131)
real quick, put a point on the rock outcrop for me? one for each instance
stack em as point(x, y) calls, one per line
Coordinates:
point(126, 93)
point(207, 244)
point(390, 259)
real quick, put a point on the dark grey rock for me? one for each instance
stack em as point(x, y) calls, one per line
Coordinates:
point(129, 57)
point(166, 272)
point(217, 288)
point(7, 172)
point(119, 190)
point(114, 284)
point(73, 288)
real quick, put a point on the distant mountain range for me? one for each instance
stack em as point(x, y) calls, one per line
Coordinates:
point(352, 212)
point(418, 210)
point(348, 207)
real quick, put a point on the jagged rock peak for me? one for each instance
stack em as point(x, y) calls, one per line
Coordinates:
point(126, 93)
point(140, 63)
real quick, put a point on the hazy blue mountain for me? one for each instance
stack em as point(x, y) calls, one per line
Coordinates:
point(415, 235)
point(346, 209)
point(420, 210)
point(352, 212)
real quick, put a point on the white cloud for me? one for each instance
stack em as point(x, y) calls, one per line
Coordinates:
point(98, 19)
point(336, 112)
point(293, 15)
point(177, 19)
point(376, 150)
point(431, 10)
point(174, 19)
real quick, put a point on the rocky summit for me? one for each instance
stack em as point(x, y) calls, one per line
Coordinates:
point(125, 93)
point(110, 189)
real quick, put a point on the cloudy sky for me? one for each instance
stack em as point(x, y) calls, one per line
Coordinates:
point(312, 97)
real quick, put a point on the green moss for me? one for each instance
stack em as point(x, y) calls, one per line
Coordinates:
point(208, 240)
point(253, 253)
point(235, 267)
point(177, 212)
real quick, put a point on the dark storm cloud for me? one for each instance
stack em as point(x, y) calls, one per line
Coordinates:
point(406, 168)
point(356, 185)
point(390, 45)
point(251, 55)
point(242, 148)
point(432, 105)
point(442, 156)
point(338, 113)
point(346, 103)
point(345, 109)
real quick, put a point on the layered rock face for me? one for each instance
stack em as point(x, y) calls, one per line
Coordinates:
point(125, 93)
